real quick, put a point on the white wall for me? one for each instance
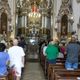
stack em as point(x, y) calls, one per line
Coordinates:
point(59, 2)
point(76, 14)
point(12, 6)
point(56, 8)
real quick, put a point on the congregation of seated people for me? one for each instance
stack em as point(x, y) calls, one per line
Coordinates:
point(11, 61)
point(60, 61)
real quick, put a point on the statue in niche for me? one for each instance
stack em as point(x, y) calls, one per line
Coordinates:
point(4, 35)
point(63, 30)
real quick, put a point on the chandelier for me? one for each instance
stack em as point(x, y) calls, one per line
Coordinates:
point(34, 14)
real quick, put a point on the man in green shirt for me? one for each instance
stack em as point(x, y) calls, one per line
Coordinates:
point(52, 52)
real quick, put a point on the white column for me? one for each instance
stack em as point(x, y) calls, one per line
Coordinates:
point(16, 19)
point(79, 34)
point(59, 26)
point(25, 21)
point(51, 30)
point(13, 18)
point(54, 11)
point(69, 27)
point(43, 21)
point(51, 20)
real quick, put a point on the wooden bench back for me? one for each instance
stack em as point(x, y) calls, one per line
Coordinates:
point(67, 75)
point(3, 78)
point(51, 68)
point(11, 75)
point(60, 60)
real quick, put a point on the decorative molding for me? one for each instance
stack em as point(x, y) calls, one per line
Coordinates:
point(64, 9)
point(5, 8)
point(78, 1)
point(65, 1)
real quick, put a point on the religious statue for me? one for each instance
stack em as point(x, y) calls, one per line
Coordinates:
point(63, 31)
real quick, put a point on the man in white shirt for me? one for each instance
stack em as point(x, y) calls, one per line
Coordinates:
point(16, 54)
point(44, 47)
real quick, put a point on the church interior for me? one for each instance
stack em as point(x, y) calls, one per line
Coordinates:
point(39, 21)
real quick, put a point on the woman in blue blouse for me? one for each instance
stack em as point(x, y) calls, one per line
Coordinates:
point(4, 60)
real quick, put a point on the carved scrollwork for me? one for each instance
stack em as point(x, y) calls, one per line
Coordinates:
point(65, 1)
point(78, 1)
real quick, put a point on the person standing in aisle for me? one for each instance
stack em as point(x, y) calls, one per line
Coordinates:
point(16, 54)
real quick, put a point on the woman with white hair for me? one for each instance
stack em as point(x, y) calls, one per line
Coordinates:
point(16, 54)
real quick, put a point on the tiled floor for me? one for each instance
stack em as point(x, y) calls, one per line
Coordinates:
point(33, 71)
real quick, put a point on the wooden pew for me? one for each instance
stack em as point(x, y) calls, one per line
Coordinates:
point(67, 74)
point(3, 77)
point(59, 66)
point(43, 62)
point(51, 70)
point(60, 60)
point(42, 58)
point(45, 65)
point(11, 75)
point(59, 63)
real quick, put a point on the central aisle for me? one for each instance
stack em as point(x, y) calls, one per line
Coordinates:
point(33, 71)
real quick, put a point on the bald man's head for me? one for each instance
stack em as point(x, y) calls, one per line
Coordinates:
point(15, 42)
